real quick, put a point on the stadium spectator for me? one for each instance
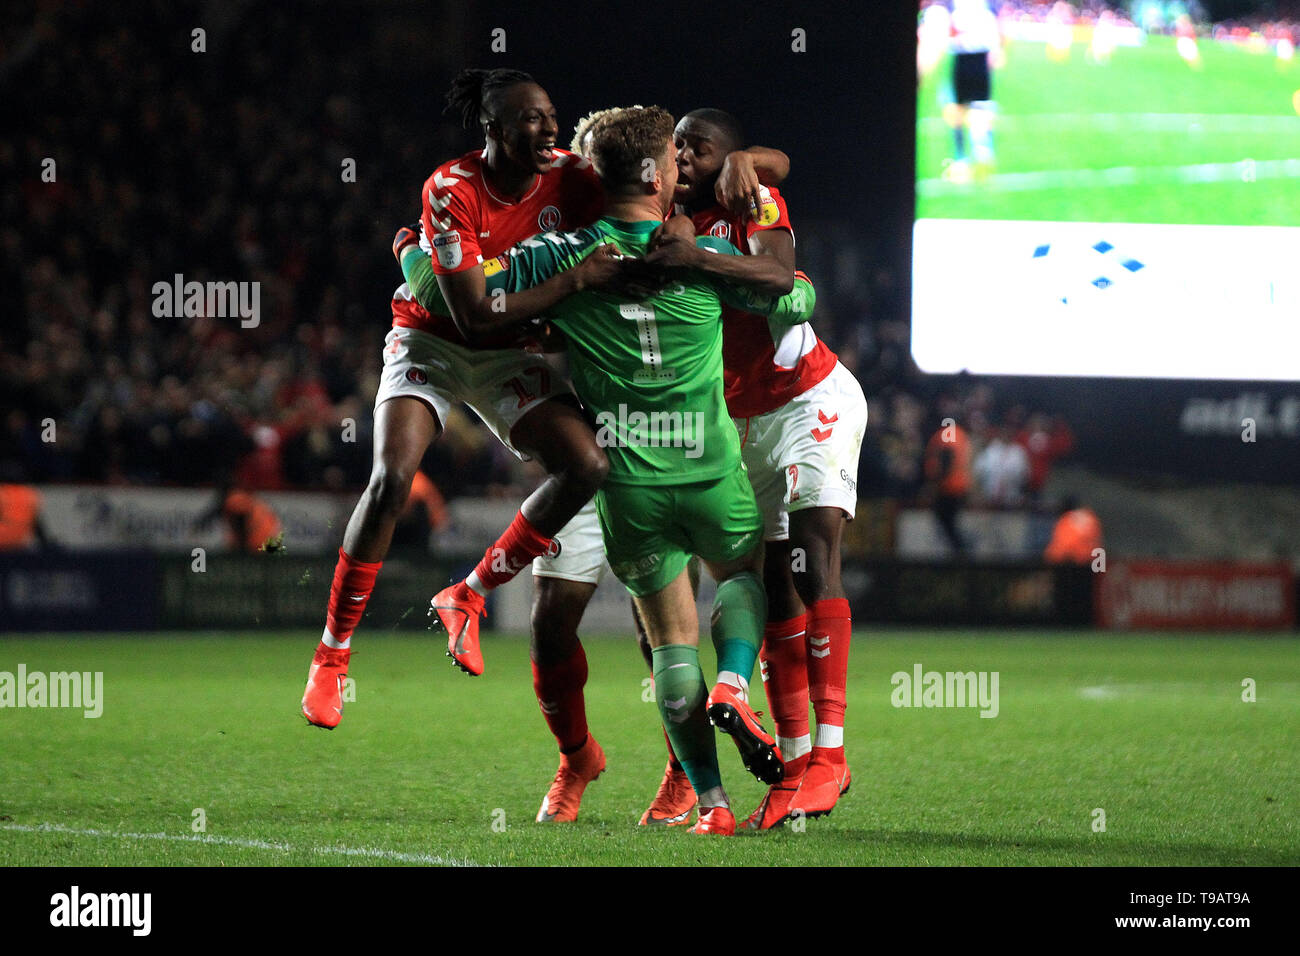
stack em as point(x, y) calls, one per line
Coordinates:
point(425, 512)
point(1001, 471)
point(948, 478)
point(20, 519)
point(1044, 440)
point(251, 525)
point(1075, 537)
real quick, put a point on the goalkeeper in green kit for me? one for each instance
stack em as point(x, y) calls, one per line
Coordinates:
point(650, 371)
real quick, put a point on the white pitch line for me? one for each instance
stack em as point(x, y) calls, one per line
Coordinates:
point(1082, 179)
point(372, 853)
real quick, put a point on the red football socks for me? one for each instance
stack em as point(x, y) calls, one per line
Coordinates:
point(559, 694)
point(829, 630)
point(349, 595)
point(785, 670)
point(516, 547)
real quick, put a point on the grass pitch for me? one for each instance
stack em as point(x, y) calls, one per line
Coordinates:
point(1152, 730)
point(1144, 138)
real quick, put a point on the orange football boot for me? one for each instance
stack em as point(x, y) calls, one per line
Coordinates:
point(322, 702)
point(560, 805)
point(757, 747)
point(673, 803)
point(459, 608)
point(717, 821)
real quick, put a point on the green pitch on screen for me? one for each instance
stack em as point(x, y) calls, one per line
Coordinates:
point(1233, 122)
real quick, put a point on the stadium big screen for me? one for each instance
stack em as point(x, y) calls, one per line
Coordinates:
point(1107, 191)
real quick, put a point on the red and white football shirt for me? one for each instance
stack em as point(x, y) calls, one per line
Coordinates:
point(466, 224)
point(764, 364)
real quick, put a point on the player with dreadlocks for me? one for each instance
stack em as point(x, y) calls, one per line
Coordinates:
point(474, 208)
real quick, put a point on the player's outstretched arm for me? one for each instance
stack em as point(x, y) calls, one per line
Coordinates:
point(481, 315)
point(768, 270)
point(793, 308)
point(796, 306)
point(538, 279)
point(487, 313)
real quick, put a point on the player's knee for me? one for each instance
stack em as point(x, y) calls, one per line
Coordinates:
point(388, 489)
point(553, 609)
point(589, 469)
point(554, 626)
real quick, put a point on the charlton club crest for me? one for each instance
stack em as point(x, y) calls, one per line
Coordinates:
point(548, 219)
point(416, 376)
point(721, 229)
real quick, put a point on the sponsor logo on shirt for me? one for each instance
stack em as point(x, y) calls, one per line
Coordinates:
point(493, 266)
point(447, 246)
point(765, 212)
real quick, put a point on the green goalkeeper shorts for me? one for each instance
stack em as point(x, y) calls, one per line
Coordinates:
point(652, 530)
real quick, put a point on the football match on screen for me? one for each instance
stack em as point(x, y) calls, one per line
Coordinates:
point(660, 438)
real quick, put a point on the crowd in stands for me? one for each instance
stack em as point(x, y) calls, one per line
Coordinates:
point(135, 158)
point(218, 165)
point(1011, 451)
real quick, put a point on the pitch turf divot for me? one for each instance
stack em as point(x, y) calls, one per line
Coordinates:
point(372, 853)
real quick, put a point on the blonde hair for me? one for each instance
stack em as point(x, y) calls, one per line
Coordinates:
point(623, 140)
point(587, 122)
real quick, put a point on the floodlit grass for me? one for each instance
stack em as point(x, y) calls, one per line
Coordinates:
point(1152, 730)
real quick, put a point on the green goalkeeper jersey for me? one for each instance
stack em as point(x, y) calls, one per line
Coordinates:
point(651, 371)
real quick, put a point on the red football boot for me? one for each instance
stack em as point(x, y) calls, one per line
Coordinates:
point(775, 808)
point(717, 821)
point(459, 608)
point(322, 702)
point(757, 747)
point(825, 780)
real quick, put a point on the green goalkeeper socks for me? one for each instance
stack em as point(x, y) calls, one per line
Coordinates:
point(739, 613)
point(681, 695)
